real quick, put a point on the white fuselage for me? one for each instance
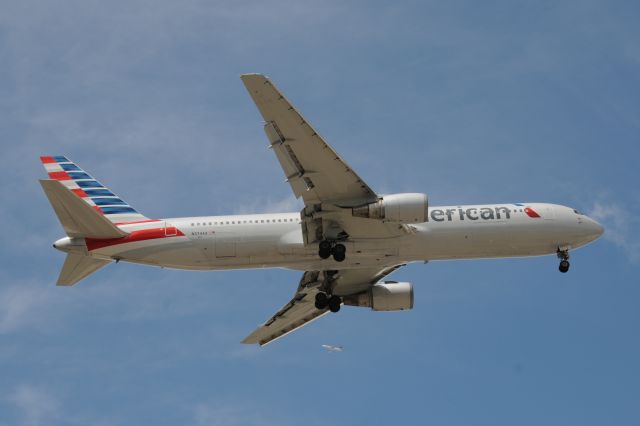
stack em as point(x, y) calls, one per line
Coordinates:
point(275, 240)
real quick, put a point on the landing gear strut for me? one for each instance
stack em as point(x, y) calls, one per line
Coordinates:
point(328, 248)
point(563, 255)
point(323, 301)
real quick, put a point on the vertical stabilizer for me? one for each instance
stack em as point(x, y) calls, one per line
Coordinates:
point(78, 218)
point(89, 190)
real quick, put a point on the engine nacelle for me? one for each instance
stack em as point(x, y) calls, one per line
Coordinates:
point(403, 208)
point(386, 296)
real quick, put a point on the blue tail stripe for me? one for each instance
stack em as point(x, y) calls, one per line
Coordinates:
point(108, 201)
point(116, 210)
point(70, 167)
point(89, 184)
point(99, 192)
point(79, 175)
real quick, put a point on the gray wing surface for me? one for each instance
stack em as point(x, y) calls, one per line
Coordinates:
point(313, 169)
point(301, 310)
point(298, 312)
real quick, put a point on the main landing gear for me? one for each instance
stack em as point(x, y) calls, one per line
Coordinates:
point(323, 301)
point(328, 248)
point(563, 255)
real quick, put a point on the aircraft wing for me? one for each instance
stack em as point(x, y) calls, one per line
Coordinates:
point(326, 183)
point(313, 169)
point(301, 310)
point(298, 312)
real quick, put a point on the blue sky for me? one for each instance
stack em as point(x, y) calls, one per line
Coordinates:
point(499, 102)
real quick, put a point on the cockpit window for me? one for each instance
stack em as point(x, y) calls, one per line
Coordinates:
point(576, 212)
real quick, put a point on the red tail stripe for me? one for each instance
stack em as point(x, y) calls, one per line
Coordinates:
point(59, 176)
point(135, 236)
point(47, 160)
point(79, 192)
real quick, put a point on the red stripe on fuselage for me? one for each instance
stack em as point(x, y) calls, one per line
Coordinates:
point(59, 176)
point(134, 236)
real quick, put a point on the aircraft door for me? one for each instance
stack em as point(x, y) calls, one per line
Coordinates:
point(169, 230)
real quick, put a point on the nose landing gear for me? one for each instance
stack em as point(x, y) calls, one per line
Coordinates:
point(328, 248)
point(563, 255)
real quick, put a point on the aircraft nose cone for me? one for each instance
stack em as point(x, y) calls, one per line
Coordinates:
point(595, 229)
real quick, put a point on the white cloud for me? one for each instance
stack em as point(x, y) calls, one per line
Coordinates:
point(38, 305)
point(621, 227)
point(36, 404)
point(21, 306)
point(261, 205)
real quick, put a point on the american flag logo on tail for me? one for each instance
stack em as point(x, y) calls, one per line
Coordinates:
point(95, 194)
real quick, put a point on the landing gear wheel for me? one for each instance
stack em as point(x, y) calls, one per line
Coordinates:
point(322, 301)
point(339, 252)
point(324, 250)
point(324, 254)
point(563, 255)
point(334, 303)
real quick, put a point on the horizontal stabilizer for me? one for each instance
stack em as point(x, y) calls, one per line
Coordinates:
point(79, 219)
point(77, 267)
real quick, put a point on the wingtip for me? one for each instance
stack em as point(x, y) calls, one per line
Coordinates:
point(253, 76)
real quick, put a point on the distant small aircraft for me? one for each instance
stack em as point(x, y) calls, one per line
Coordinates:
point(330, 348)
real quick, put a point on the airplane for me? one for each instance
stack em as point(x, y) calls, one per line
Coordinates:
point(346, 240)
point(331, 348)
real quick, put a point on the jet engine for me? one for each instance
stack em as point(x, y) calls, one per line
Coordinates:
point(403, 208)
point(384, 296)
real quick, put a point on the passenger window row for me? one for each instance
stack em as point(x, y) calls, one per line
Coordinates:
point(242, 222)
